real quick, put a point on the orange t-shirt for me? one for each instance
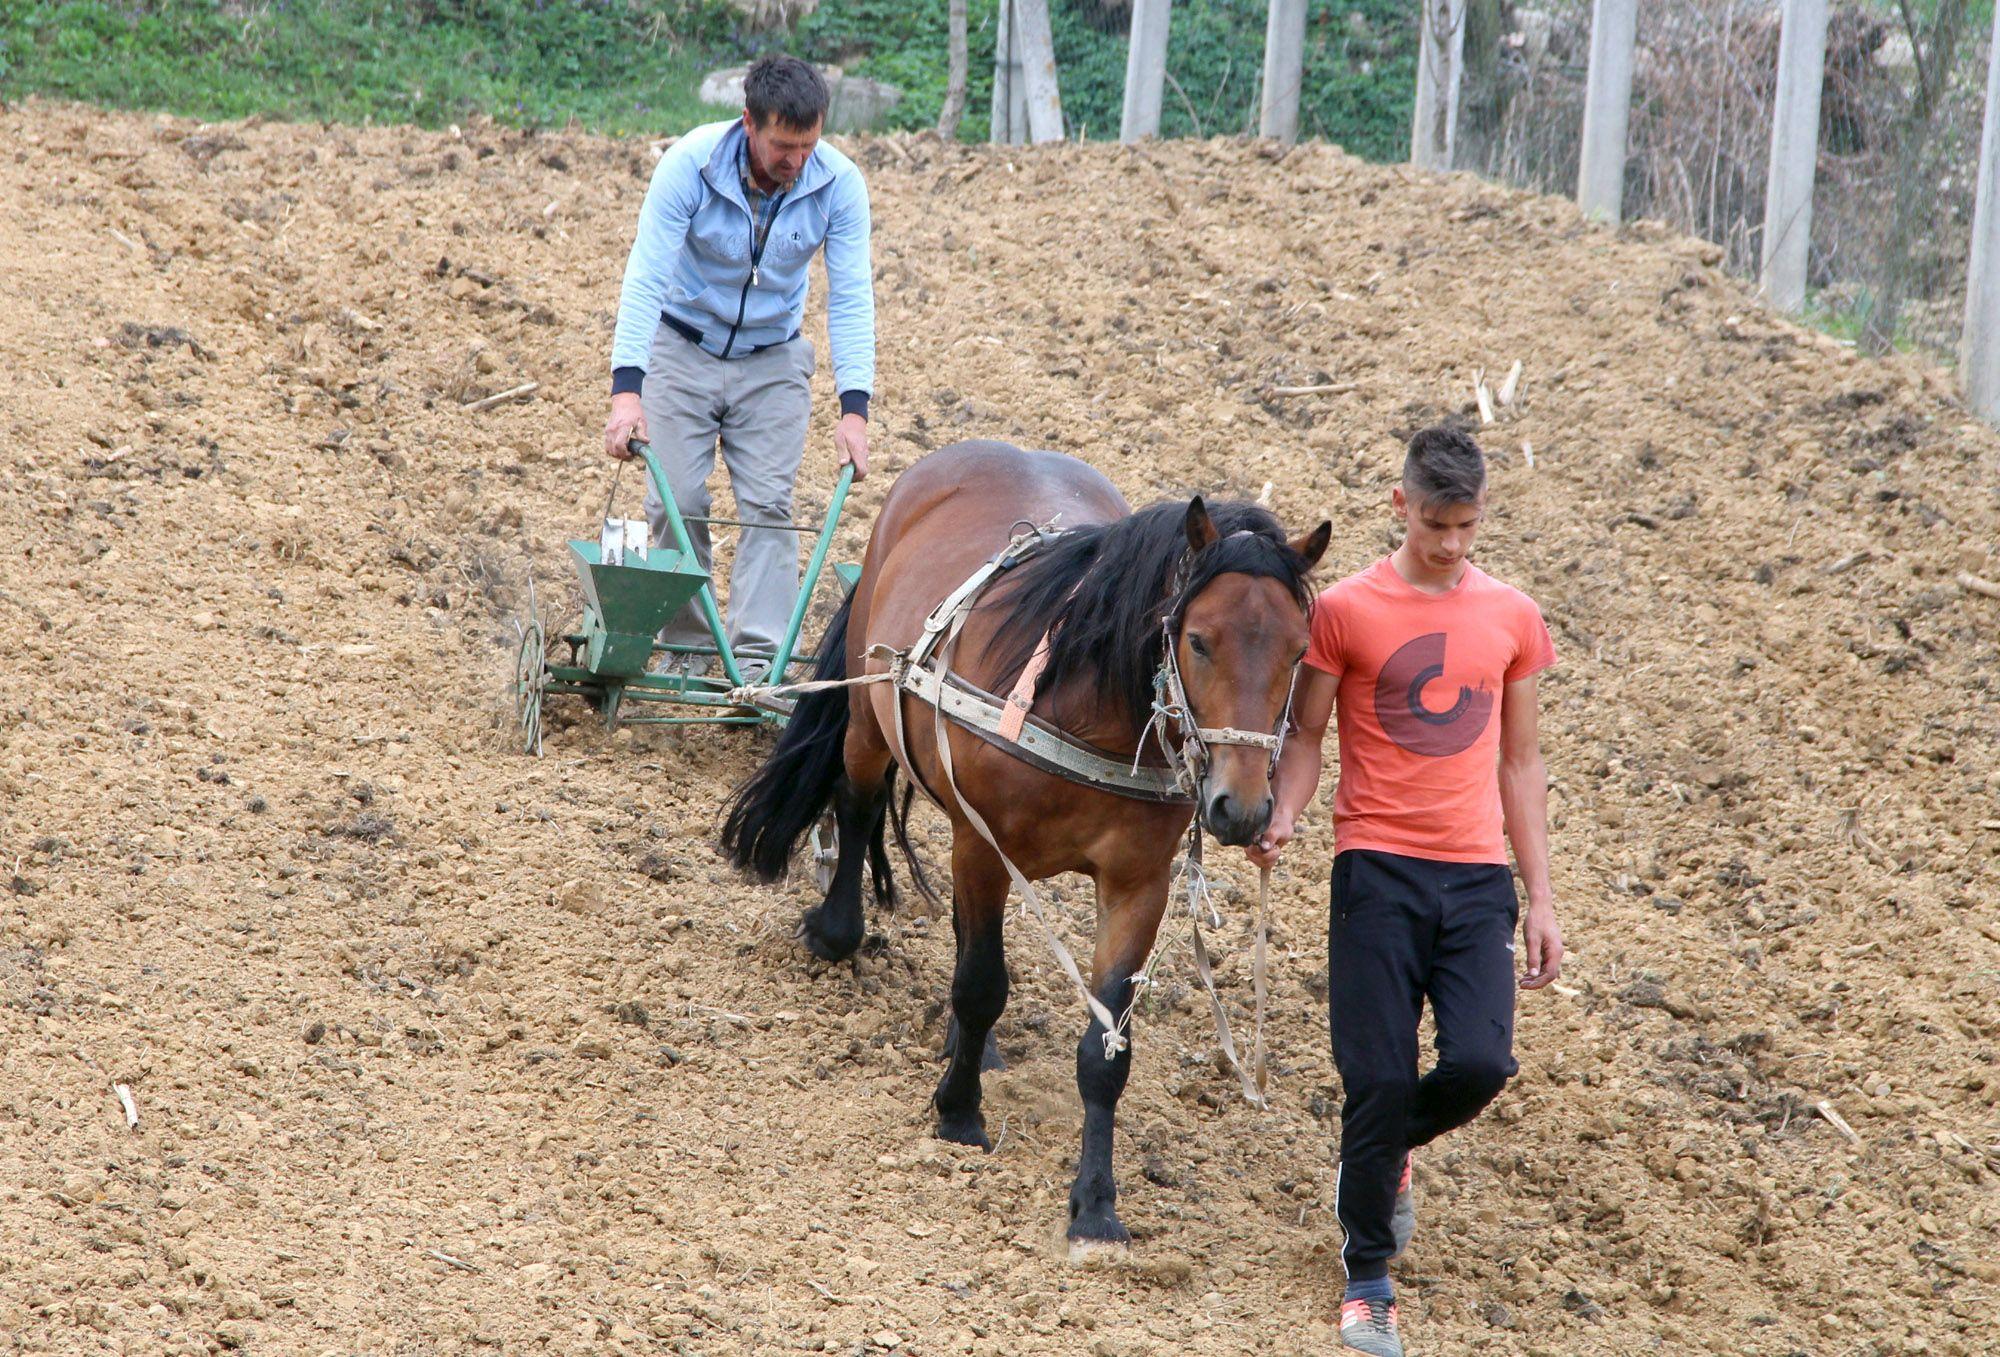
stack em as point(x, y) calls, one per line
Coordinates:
point(1419, 707)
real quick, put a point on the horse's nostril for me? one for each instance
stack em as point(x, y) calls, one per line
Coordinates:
point(1219, 808)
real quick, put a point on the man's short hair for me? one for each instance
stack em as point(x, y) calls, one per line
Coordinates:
point(787, 87)
point(1444, 467)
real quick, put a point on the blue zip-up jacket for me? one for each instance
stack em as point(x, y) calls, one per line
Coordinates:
point(693, 261)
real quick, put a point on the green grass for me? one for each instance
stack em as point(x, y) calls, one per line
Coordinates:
point(1360, 65)
point(619, 66)
point(1844, 314)
point(632, 66)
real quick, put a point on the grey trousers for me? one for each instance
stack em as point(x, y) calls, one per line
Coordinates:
point(757, 409)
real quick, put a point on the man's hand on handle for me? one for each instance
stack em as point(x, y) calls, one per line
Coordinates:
point(1542, 940)
point(627, 422)
point(850, 439)
point(1271, 843)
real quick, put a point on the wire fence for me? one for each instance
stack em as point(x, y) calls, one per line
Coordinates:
point(1899, 137)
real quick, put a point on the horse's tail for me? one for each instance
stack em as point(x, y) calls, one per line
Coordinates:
point(899, 818)
point(772, 811)
point(878, 847)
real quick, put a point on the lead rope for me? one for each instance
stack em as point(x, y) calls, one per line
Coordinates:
point(1253, 1078)
point(1258, 986)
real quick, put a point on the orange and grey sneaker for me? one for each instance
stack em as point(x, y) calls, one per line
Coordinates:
point(1404, 1224)
point(1370, 1326)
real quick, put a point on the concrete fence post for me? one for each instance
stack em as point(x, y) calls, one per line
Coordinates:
point(1037, 56)
point(1284, 70)
point(1788, 185)
point(1607, 109)
point(1979, 356)
point(1145, 69)
point(1010, 93)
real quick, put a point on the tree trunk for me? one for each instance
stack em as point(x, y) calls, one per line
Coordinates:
point(954, 95)
point(1483, 94)
point(1934, 52)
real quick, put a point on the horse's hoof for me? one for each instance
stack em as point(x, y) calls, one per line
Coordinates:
point(822, 944)
point(1096, 1230)
point(964, 1129)
point(1100, 1251)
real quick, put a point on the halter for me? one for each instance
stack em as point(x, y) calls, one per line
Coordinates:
point(1188, 756)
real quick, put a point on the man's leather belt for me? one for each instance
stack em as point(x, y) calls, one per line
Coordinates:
point(693, 336)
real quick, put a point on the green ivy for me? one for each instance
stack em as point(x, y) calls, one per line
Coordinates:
point(1360, 65)
point(625, 66)
point(618, 65)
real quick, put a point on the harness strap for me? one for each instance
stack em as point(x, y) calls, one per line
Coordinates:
point(1114, 1028)
point(1256, 739)
point(898, 662)
point(1023, 696)
point(1038, 744)
point(947, 613)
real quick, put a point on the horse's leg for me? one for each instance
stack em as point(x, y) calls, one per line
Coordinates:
point(990, 1059)
point(832, 929)
point(1128, 921)
point(978, 985)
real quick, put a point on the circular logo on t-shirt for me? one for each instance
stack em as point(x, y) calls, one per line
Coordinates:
point(1399, 702)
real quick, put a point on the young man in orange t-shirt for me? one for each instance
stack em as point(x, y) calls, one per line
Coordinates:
point(1431, 664)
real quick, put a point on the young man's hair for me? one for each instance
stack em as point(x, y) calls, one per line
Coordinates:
point(1443, 467)
point(786, 87)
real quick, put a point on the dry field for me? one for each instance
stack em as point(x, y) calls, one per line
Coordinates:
point(436, 1047)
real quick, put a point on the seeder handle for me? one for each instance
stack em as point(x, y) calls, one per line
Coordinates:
point(789, 644)
point(611, 499)
point(643, 450)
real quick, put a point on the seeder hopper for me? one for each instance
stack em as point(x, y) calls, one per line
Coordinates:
point(630, 589)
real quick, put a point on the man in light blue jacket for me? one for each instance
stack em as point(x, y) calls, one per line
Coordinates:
point(708, 348)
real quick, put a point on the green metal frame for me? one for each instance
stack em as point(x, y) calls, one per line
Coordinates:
point(625, 606)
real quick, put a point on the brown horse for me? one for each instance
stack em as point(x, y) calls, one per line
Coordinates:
point(1109, 590)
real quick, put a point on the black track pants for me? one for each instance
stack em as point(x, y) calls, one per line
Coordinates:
point(1404, 930)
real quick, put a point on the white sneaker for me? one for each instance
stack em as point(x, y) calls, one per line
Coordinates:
point(1370, 1326)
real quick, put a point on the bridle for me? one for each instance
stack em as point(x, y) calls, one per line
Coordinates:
point(1180, 734)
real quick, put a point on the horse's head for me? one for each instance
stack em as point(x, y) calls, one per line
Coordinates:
point(1238, 631)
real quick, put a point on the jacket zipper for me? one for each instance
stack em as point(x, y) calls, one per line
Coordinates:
point(756, 257)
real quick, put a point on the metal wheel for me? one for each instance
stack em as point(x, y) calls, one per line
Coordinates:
point(825, 845)
point(531, 678)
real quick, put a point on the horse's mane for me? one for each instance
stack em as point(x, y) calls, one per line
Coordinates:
point(1102, 591)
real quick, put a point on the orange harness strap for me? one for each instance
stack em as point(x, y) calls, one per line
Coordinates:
point(1015, 716)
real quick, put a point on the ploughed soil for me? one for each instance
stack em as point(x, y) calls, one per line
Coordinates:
point(437, 1047)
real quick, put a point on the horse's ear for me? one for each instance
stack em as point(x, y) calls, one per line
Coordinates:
point(1200, 527)
point(1313, 545)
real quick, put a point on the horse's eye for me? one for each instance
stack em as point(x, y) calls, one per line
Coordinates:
point(1199, 646)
